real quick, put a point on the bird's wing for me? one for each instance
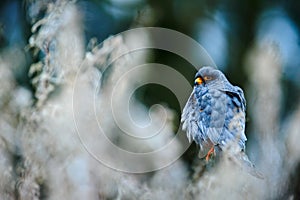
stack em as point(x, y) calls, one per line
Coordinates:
point(237, 94)
point(235, 116)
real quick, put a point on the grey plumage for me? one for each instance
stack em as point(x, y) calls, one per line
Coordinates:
point(214, 115)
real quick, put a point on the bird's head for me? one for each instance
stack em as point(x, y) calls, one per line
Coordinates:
point(209, 77)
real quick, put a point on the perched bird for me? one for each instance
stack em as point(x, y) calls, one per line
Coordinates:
point(214, 117)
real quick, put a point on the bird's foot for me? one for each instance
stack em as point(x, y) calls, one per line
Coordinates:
point(209, 153)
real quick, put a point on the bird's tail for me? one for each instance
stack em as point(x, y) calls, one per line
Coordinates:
point(242, 160)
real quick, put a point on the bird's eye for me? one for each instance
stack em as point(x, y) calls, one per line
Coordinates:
point(198, 81)
point(207, 78)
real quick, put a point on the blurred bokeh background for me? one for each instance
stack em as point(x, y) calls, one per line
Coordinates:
point(255, 43)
